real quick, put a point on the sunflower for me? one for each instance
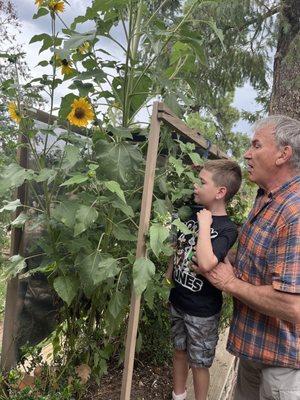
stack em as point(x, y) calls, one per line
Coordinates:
point(39, 3)
point(56, 6)
point(81, 113)
point(14, 112)
point(66, 66)
point(84, 48)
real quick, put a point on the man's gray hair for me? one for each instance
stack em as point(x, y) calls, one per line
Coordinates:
point(287, 133)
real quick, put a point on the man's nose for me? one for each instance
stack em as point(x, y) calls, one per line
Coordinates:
point(247, 155)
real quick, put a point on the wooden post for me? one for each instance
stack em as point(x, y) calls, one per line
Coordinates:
point(13, 303)
point(140, 251)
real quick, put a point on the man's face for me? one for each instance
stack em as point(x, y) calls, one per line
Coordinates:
point(205, 194)
point(261, 156)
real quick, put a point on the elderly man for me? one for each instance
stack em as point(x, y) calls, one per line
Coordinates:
point(265, 279)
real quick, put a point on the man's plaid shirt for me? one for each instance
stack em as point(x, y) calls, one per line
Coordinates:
point(269, 254)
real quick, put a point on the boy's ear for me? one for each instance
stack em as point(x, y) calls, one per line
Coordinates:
point(222, 190)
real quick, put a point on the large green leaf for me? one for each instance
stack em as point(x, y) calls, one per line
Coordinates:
point(14, 266)
point(114, 187)
point(20, 220)
point(161, 207)
point(177, 164)
point(179, 50)
point(84, 218)
point(158, 234)
point(196, 159)
point(45, 174)
point(143, 271)
point(116, 303)
point(118, 160)
point(13, 176)
point(125, 208)
point(66, 287)
point(181, 227)
point(141, 86)
point(41, 12)
point(76, 179)
point(47, 41)
point(97, 267)
point(184, 213)
point(71, 157)
point(77, 39)
point(107, 268)
point(11, 206)
point(121, 232)
point(65, 105)
point(65, 212)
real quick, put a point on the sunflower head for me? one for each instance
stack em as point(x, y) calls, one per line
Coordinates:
point(81, 113)
point(66, 66)
point(84, 48)
point(56, 5)
point(14, 112)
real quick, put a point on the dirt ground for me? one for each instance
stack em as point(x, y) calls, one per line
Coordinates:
point(148, 383)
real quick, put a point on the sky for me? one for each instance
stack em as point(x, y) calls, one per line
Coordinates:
point(244, 97)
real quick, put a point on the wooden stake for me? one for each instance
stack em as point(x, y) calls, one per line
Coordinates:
point(141, 251)
point(13, 304)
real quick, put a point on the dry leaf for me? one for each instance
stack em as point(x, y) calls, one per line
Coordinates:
point(27, 381)
point(83, 372)
point(37, 372)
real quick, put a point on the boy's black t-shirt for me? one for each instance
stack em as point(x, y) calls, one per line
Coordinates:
point(193, 293)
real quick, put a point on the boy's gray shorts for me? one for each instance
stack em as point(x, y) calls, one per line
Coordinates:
point(198, 336)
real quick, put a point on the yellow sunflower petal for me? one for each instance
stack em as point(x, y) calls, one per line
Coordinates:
point(84, 48)
point(56, 6)
point(66, 67)
point(14, 112)
point(81, 112)
point(38, 2)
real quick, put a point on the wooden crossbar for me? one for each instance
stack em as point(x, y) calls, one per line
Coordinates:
point(170, 119)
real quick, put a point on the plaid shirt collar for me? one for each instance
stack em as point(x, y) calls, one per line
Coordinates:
point(284, 190)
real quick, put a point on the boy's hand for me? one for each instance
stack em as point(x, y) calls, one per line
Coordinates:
point(204, 218)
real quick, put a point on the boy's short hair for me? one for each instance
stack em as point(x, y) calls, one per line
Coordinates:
point(225, 173)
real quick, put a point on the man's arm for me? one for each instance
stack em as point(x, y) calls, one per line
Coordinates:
point(264, 299)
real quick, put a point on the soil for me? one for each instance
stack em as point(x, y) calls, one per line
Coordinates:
point(149, 383)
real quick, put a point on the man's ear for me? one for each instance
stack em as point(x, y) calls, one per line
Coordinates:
point(285, 156)
point(222, 190)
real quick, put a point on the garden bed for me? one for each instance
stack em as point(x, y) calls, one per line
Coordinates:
point(149, 382)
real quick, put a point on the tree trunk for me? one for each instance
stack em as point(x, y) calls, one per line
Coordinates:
point(285, 97)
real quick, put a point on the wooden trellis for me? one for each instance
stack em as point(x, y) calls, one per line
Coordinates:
point(160, 114)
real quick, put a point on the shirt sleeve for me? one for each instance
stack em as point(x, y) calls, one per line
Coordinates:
point(222, 244)
point(286, 275)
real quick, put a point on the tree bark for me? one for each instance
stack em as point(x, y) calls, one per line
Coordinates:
point(285, 98)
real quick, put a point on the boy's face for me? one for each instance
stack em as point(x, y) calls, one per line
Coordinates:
point(207, 192)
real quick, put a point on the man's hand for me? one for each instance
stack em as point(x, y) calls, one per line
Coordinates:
point(221, 276)
point(204, 218)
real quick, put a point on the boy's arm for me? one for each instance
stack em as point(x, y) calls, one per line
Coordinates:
point(206, 258)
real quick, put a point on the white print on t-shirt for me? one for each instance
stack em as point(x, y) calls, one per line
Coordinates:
point(183, 258)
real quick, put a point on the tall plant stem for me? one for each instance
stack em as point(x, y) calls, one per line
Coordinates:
point(127, 73)
point(52, 89)
point(185, 18)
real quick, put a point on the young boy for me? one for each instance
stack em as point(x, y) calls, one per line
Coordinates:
point(195, 303)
